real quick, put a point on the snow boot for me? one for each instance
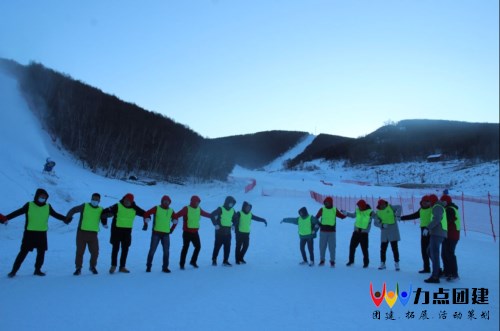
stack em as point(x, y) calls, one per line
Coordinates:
point(396, 265)
point(124, 270)
point(112, 269)
point(382, 266)
point(77, 272)
point(93, 270)
point(38, 272)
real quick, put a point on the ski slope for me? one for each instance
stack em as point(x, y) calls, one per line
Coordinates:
point(271, 292)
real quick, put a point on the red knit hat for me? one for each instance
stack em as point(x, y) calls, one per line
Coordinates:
point(446, 198)
point(361, 204)
point(195, 199)
point(129, 197)
point(380, 203)
point(425, 198)
point(166, 197)
point(433, 199)
point(328, 200)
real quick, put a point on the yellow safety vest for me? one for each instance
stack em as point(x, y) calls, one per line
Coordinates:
point(386, 215)
point(328, 216)
point(38, 217)
point(193, 217)
point(162, 219)
point(125, 217)
point(425, 217)
point(90, 218)
point(362, 218)
point(305, 226)
point(226, 217)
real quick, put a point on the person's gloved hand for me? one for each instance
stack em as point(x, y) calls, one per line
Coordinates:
point(425, 232)
point(105, 226)
point(265, 222)
point(147, 220)
point(145, 226)
point(217, 227)
point(384, 226)
point(3, 219)
point(175, 221)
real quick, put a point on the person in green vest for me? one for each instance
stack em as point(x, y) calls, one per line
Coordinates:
point(124, 213)
point(37, 214)
point(387, 217)
point(191, 215)
point(308, 227)
point(163, 226)
point(242, 223)
point(424, 213)
point(328, 215)
point(438, 230)
point(86, 235)
point(223, 219)
point(362, 225)
point(450, 267)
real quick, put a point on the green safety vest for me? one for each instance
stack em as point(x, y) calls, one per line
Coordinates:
point(305, 226)
point(90, 218)
point(245, 221)
point(193, 217)
point(386, 215)
point(125, 217)
point(457, 220)
point(38, 217)
point(162, 219)
point(444, 220)
point(362, 218)
point(425, 217)
point(328, 216)
point(226, 217)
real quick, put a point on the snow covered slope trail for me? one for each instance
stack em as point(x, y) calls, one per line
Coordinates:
point(277, 164)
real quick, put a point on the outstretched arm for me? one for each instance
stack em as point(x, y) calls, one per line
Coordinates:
point(56, 215)
point(291, 220)
point(18, 212)
point(259, 219)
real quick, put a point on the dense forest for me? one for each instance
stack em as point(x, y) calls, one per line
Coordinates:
point(407, 141)
point(119, 139)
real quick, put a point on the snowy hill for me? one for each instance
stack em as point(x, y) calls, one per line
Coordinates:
point(271, 292)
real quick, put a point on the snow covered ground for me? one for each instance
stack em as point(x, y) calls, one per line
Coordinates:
point(270, 292)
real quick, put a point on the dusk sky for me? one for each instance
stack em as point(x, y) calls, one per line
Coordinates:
point(342, 67)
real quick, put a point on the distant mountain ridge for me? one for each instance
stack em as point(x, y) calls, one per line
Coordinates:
point(121, 138)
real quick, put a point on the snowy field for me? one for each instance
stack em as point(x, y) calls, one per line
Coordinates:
point(271, 292)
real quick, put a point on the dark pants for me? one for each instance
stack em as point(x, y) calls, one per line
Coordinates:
point(120, 237)
point(424, 244)
point(187, 238)
point(222, 238)
point(383, 250)
point(156, 238)
point(40, 257)
point(357, 239)
point(310, 248)
point(242, 243)
point(434, 246)
point(123, 256)
point(84, 239)
point(450, 267)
